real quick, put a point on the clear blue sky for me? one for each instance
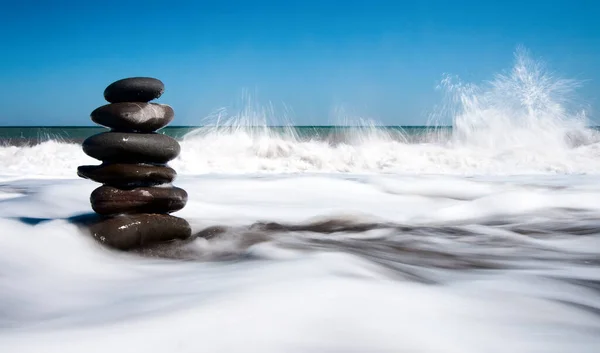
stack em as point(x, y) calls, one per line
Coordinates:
point(373, 58)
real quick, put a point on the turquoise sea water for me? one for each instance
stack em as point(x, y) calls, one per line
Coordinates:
point(19, 135)
point(68, 133)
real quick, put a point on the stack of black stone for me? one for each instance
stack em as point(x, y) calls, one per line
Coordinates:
point(136, 197)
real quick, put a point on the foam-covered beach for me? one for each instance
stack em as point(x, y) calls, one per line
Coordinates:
point(484, 239)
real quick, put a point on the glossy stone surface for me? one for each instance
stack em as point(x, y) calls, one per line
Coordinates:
point(108, 200)
point(134, 89)
point(128, 147)
point(120, 174)
point(127, 232)
point(128, 116)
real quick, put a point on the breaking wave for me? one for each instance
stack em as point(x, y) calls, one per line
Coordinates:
point(526, 120)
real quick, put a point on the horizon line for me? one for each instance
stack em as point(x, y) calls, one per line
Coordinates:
point(252, 126)
point(199, 126)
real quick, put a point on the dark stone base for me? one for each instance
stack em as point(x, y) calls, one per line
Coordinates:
point(128, 232)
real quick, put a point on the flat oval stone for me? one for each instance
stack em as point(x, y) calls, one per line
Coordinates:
point(131, 116)
point(134, 89)
point(119, 174)
point(108, 200)
point(126, 232)
point(128, 147)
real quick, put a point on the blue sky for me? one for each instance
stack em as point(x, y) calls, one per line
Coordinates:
point(368, 58)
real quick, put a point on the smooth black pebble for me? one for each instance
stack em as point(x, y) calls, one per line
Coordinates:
point(131, 116)
point(128, 147)
point(119, 174)
point(109, 200)
point(131, 231)
point(134, 89)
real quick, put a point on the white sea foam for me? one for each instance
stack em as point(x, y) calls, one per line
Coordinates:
point(60, 291)
point(242, 153)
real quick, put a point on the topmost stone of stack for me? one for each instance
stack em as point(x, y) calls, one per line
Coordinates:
point(134, 89)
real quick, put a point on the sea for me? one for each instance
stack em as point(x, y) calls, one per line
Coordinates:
point(479, 232)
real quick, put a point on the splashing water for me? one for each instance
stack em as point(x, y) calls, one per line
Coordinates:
point(526, 107)
point(523, 121)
